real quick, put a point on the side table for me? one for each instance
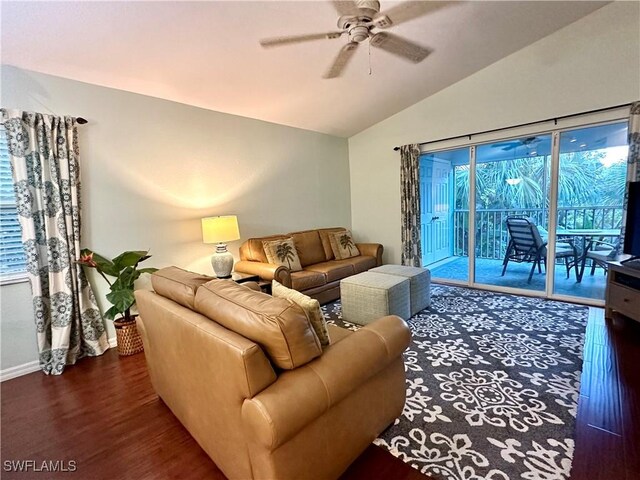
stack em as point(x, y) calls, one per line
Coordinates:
point(623, 291)
point(248, 277)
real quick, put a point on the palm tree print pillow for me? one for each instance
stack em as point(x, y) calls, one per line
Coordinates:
point(282, 252)
point(343, 245)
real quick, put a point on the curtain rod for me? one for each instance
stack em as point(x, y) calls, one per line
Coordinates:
point(553, 119)
point(81, 120)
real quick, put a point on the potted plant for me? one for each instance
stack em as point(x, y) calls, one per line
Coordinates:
point(124, 269)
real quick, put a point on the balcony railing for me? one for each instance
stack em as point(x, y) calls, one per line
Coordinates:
point(492, 236)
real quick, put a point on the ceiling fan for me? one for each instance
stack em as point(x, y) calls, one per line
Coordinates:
point(358, 19)
point(506, 146)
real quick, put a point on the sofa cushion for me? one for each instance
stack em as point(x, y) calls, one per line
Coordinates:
point(311, 307)
point(253, 249)
point(360, 264)
point(309, 247)
point(178, 285)
point(326, 243)
point(282, 252)
point(279, 326)
point(333, 270)
point(306, 279)
point(343, 245)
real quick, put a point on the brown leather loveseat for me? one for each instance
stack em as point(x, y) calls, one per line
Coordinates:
point(246, 375)
point(321, 272)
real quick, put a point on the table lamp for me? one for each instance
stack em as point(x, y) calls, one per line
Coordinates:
point(220, 230)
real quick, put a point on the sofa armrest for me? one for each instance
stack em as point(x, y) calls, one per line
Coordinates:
point(266, 271)
point(372, 250)
point(300, 396)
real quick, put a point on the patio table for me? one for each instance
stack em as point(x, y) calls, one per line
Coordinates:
point(584, 234)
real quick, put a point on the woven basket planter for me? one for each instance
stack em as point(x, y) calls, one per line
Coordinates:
point(129, 340)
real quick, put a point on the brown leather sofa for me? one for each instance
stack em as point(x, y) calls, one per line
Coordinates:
point(321, 272)
point(277, 408)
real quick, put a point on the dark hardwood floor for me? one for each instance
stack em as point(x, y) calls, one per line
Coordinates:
point(608, 426)
point(104, 415)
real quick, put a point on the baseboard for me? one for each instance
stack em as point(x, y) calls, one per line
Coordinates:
point(30, 367)
point(19, 370)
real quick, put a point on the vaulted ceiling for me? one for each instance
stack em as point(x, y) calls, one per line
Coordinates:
point(208, 54)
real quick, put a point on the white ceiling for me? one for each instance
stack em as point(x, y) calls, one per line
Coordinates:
point(207, 53)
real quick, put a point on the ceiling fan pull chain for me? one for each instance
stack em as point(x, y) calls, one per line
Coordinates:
point(369, 57)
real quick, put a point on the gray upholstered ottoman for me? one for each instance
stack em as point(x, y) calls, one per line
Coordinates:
point(420, 283)
point(368, 296)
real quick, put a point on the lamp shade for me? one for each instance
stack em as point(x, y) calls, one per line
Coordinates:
point(220, 229)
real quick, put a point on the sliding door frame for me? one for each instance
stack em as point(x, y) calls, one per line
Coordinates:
point(553, 215)
point(472, 215)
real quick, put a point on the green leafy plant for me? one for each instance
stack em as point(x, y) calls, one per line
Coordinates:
point(124, 268)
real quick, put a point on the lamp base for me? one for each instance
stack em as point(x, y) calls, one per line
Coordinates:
point(222, 261)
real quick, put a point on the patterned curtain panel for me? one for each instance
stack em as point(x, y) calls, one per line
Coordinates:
point(410, 205)
point(633, 162)
point(44, 159)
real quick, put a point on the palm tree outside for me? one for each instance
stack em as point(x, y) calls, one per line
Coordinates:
point(590, 194)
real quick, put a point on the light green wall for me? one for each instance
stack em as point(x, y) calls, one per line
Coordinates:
point(17, 330)
point(590, 64)
point(152, 168)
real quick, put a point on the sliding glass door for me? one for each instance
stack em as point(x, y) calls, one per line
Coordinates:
point(487, 211)
point(591, 180)
point(511, 219)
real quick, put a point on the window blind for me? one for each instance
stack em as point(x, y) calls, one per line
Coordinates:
point(12, 258)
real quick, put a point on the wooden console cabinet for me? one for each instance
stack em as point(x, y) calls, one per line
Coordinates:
point(623, 291)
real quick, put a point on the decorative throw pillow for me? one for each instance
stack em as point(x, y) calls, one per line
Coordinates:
point(282, 252)
point(343, 245)
point(311, 308)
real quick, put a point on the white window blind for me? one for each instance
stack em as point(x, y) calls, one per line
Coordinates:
point(12, 259)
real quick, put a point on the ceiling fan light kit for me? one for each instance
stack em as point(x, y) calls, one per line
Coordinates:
point(357, 20)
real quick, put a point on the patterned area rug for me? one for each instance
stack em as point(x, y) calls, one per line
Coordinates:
point(492, 386)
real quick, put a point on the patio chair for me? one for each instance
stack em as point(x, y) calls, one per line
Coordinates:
point(526, 245)
point(599, 252)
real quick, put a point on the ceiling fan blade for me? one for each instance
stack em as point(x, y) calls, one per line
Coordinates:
point(345, 7)
point(407, 11)
point(341, 60)
point(399, 46)
point(277, 41)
